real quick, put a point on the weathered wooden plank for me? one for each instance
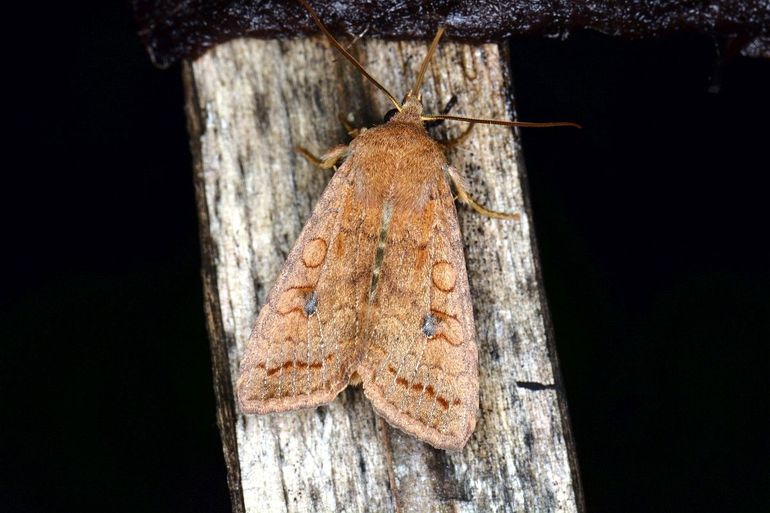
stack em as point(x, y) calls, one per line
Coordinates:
point(250, 102)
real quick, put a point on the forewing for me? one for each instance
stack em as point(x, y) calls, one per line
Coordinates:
point(306, 339)
point(420, 367)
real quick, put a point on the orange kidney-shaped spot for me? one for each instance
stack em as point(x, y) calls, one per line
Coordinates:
point(444, 276)
point(314, 253)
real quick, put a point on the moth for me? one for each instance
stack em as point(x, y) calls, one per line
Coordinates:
point(375, 290)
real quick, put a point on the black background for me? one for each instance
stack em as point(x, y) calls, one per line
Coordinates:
point(652, 227)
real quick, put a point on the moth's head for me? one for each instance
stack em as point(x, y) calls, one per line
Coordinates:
point(411, 110)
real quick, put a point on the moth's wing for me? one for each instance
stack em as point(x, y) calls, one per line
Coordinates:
point(420, 366)
point(305, 342)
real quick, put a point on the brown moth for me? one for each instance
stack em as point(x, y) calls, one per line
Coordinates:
point(375, 289)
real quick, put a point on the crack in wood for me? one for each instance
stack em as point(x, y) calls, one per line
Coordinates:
point(535, 386)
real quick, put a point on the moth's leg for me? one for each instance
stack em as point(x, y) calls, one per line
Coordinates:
point(309, 156)
point(327, 160)
point(451, 143)
point(461, 187)
point(352, 131)
point(447, 108)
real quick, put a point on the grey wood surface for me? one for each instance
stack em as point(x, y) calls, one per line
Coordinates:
point(249, 103)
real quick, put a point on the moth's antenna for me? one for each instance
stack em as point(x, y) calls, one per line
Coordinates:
point(503, 122)
point(347, 54)
point(424, 67)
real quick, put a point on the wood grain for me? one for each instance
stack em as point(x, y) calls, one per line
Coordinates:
point(249, 103)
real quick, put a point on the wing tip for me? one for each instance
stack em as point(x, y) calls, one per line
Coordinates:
point(454, 441)
point(251, 405)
